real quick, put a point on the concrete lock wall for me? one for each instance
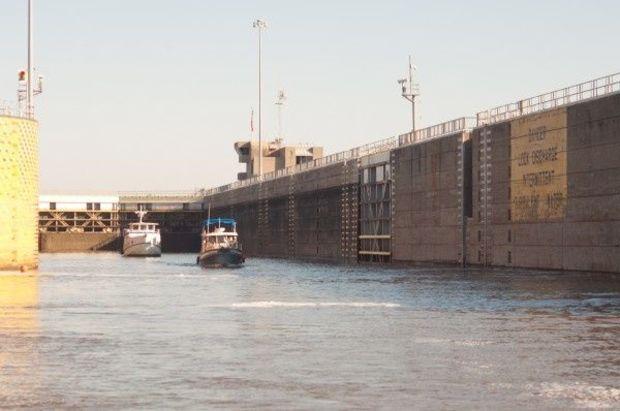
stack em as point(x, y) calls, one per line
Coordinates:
point(537, 191)
point(310, 215)
point(428, 200)
point(19, 190)
point(547, 190)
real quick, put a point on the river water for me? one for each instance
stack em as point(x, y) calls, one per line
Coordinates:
point(102, 331)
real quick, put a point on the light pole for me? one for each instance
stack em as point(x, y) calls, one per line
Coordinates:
point(410, 93)
point(260, 25)
point(26, 90)
point(29, 88)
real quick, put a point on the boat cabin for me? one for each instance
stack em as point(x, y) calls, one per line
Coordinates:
point(144, 227)
point(221, 237)
point(219, 233)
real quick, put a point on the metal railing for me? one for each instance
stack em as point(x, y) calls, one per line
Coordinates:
point(12, 109)
point(438, 130)
point(580, 92)
point(354, 153)
point(569, 95)
point(146, 196)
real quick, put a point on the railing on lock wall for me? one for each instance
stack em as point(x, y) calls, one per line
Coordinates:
point(569, 95)
point(438, 130)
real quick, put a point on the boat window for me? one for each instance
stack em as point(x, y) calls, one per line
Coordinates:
point(142, 226)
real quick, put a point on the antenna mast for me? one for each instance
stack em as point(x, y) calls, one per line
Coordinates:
point(280, 103)
point(409, 91)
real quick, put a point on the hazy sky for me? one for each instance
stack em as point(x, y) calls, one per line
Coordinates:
point(145, 94)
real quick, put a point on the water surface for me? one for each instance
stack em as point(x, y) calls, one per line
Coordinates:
point(103, 331)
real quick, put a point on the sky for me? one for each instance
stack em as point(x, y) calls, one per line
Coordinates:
point(151, 95)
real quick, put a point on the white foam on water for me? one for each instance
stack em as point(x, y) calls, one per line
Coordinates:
point(303, 304)
point(464, 343)
point(584, 395)
point(424, 340)
point(472, 343)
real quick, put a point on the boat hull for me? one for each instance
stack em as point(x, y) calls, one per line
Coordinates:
point(142, 250)
point(222, 258)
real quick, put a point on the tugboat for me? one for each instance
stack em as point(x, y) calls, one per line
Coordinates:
point(142, 239)
point(220, 246)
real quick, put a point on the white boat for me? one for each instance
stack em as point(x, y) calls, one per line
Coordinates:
point(220, 245)
point(142, 239)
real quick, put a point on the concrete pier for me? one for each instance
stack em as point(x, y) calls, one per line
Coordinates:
point(19, 190)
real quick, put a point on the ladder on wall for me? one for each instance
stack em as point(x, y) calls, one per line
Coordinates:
point(263, 217)
point(486, 245)
point(291, 216)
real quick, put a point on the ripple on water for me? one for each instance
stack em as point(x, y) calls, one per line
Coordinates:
point(102, 331)
point(581, 394)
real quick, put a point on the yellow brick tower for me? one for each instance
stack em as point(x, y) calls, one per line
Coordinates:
point(19, 191)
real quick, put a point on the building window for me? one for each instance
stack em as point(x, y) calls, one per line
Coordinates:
point(509, 236)
point(89, 206)
point(185, 206)
point(52, 206)
point(479, 235)
point(509, 215)
point(97, 206)
point(509, 257)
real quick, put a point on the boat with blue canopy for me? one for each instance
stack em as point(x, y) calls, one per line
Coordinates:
point(220, 245)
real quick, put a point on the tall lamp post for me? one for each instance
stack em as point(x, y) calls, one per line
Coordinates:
point(259, 25)
point(409, 91)
point(26, 90)
point(29, 88)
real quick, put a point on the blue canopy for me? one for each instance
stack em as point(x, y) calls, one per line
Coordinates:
point(219, 221)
